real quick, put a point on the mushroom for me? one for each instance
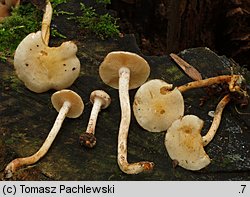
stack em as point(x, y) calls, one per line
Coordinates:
point(41, 67)
point(125, 70)
point(68, 104)
point(156, 105)
point(100, 100)
point(184, 142)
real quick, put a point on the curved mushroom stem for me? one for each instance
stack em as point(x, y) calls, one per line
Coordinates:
point(46, 22)
point(19, 162)
point(234, 82)
point(216, 121)
point(87, 138)
point(134, 168)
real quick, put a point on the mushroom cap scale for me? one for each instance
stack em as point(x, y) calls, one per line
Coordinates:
point(42, 68)
point(77, 105)
point(156, 105)
point(184, 143)
point(109, 68)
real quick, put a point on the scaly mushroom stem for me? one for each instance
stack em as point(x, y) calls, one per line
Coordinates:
point(93, 116)
point(234, 82)
point(87, 138)
point(46, 22)
point(134, 168)
point(19, 162)
point(216, 121)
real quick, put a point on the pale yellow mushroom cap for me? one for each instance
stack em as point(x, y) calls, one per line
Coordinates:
point(41, 67)
point(109, 69)
point(184, 143)
point(156, 105)
point(102, 95)
point(77, 105)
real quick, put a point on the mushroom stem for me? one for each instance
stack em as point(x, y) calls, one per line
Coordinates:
point(46, 22)
point(93, 116)
point(134, 168)
point(87, 138)
point(19, 162)
point(234, 82)
point(216, 121)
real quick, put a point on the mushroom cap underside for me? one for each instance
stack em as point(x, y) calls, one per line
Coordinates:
point(42, 68)
point(183, 142)
point(156, 105)
point(109, 68)
point(77, 105)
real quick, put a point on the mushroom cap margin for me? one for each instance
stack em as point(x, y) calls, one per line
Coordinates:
point(77, 105)
point(138, 66)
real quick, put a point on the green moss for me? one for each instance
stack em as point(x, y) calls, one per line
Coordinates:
point(13, 82)
point(103, 1)
point(174, 72)
point(104, 26)
point(55, 3)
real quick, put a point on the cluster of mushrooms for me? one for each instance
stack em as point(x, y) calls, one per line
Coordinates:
point(157, 106)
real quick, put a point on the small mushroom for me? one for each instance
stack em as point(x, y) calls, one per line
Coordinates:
point(184, 142)
point(100, 100)
point(124, 71)
point(68, 104)
point(156, 105)
point(41, 67)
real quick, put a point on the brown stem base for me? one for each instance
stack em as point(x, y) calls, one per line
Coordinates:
point(88, 140)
